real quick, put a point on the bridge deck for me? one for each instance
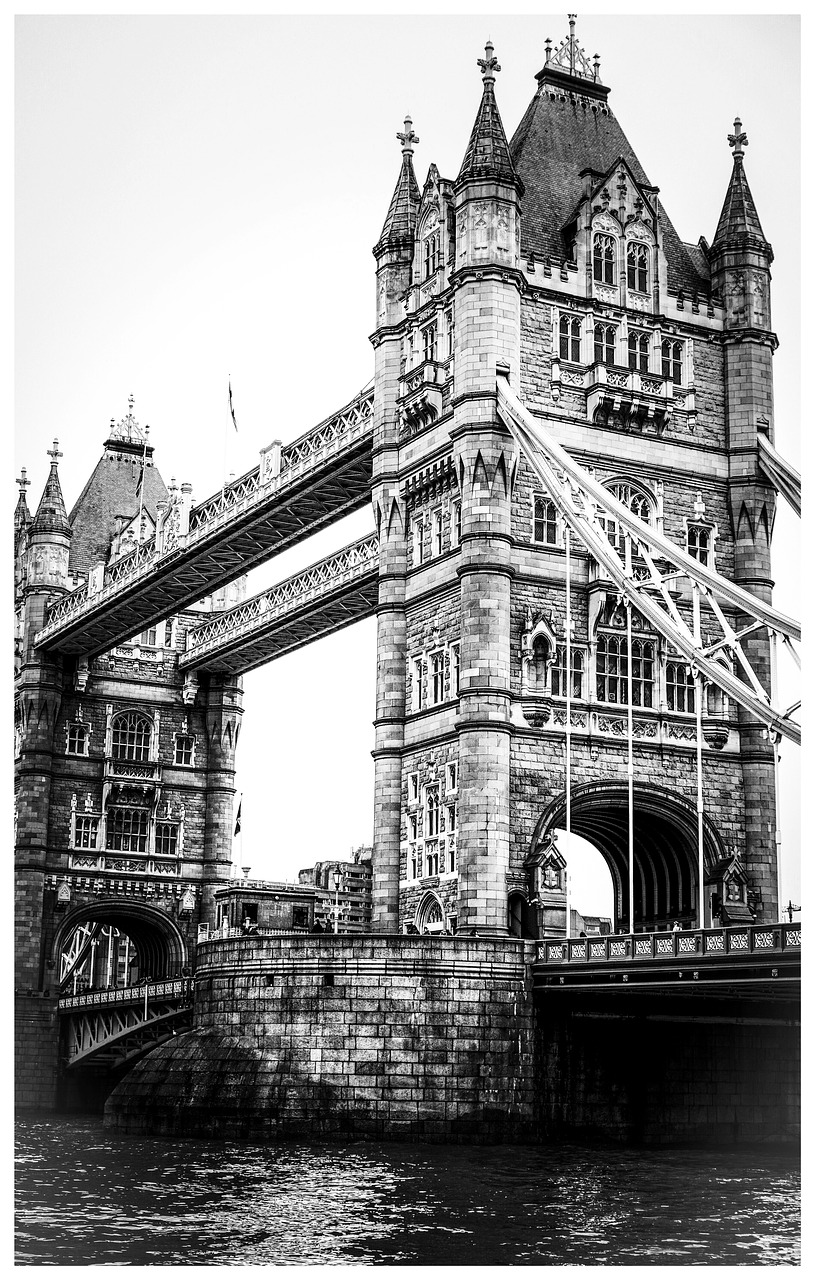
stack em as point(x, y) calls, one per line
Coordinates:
point(332, 594)
point(323, 476)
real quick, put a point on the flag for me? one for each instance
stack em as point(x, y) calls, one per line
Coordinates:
point(238, 818)
point(231, 410)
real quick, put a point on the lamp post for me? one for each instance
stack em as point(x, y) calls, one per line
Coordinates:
point(337, 878)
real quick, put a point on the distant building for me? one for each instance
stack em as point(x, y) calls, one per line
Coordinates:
point(343, 888)
point(592, 926)
point(265, 906)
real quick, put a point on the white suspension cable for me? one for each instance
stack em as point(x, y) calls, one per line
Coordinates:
point(630, 666)
point(700, 812)
point(567, 851)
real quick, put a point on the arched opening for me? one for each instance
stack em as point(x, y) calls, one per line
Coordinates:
point(430, 915)
point(116, 944)
point(665, 849)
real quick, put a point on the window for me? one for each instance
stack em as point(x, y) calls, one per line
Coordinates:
point(451, 332)
point(413, 788)
point(637, 261)
point(570, 338)
point(418, 685)
point(455, 667)
point(148, 637)
point(437, 533)
point(559, 673)
point(168, 634)
point(451, 815)
point(437, 677)
point(455, 523)
point(184, 748)
point(431, 811)
point(418, 541)
point(431, 254)
point(672, 360)
point(638, 348)
point(166, 839)
point(544, 522)
point(413, 826)
point(77, 741)
point(452, 775)
point(429, 336)
point(612, 671)
point(680, 687)
point(451, 843)
point(127, 830)
point(131, 736)
point(86, 831)
point(605, 253)
point(699, 543)
point(431, 858)
point(639, 504)
point(604, 338)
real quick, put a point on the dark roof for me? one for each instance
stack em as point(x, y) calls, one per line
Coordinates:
point(739, 219)
point(51, 515)
point(568, 127)
point(487, 154)
point(400, 222)
point(112, 490)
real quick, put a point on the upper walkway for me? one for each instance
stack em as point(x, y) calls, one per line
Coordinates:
point(317, 479)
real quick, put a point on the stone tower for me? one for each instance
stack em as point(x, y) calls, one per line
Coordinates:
point(124, 768)
point(551, 257)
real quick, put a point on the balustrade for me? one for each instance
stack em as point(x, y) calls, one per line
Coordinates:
point(743, 940)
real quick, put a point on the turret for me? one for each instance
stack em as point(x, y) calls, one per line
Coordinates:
point(22, 520)
point(740, 257)
point(49, 535)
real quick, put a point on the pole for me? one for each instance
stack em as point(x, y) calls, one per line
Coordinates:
point(700, 813)
point(630, 666)
point(568, 677)
point(775, 739)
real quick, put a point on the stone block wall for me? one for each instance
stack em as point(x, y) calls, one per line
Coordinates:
point(36, 1055)
point(381, 1037)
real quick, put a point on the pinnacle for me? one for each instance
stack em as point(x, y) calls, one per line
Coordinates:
point(487, 154)
point(400, 221)
point(739, 217)
point(52, 516)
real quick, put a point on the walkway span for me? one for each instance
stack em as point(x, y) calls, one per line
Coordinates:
point(324, 598)
point(296, 490)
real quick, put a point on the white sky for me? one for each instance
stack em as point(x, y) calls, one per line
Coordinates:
point(199, 196)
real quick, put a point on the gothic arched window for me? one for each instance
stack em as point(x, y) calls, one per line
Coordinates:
point(605, 337)
point(431, 254)
point(612, 671)
point(605, 259)
point(637, 260)
point(680, 687)
point(639, 503)
point(638, 350)
point(570, 338)
point(672, 360)
point(132, 733)
point(545, 523)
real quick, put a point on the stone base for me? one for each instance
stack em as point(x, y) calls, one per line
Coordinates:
point(376, 1037)
point(36, 1052)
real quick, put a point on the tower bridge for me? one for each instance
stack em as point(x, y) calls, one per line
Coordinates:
point(568, 449)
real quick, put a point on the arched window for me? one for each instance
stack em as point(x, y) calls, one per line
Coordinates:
point(638, 348)
point(430, 916)
point(672, 361)
point(77, 740)
point(680, 687)
point(605, 337)
point(639, 503)
point(431, 813)
point(126, 830)
point(612, 671)
point(545, 521)
point(637, 258)
point(570, 338)
point(605, 255)
point(431, 254)
point(132, 733)
point(559, 673)
point(184, 749)
point(699, 542)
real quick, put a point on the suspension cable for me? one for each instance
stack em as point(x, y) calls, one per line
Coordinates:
point(630, 668)
point(568, 539)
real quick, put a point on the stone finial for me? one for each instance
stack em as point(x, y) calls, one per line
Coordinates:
point(54, 453)
point(489, 64)
point(699, 507)
point(23, 481)
point(571, 58)
point(737, 139)
point(408, 139)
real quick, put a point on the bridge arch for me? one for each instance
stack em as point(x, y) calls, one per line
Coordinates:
point(665, 847)
point(159, 944)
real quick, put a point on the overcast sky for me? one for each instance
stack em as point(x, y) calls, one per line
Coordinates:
point(198, 197)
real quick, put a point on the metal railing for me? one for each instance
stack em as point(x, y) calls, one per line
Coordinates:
point(685, 943)
point(172, 988)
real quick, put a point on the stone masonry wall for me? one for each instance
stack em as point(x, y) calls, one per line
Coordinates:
point(380, 1037)
point(36, 1052)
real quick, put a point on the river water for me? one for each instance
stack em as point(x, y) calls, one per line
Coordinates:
point(85, 1196)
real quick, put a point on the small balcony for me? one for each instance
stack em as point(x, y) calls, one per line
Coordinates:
point(625, 398)
point(133, 771)
point(420, 394)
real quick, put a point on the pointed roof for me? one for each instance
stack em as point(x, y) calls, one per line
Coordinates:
point(114, 490)
point(51, 515)
point(738, 222)
point(400, 222)
point(567, 128)
point(22, 515)
point(487, 154)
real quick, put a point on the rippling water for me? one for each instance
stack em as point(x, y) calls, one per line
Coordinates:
point(86, 1196)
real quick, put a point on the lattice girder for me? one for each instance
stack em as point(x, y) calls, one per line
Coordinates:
point(328, 595)
point(324, 476)
point(577, 496)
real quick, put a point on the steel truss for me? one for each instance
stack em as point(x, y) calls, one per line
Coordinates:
point(331, 594)
point(114, 1027)
point(577, 496)
point(780, 473)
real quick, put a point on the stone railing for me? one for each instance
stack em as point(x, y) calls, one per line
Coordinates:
point(262, 610)
point(279, 467)
point(670, 946)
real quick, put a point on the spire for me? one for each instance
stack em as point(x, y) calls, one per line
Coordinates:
point(128, 436)
point(487, 154)
point(401, 219)
point(570, 59)
point(51, 515)
point(22, 516)
point(738, 223)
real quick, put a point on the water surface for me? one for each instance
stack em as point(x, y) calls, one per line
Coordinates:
point(87, 1196)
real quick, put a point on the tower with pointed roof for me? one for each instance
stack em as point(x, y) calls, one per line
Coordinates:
point(551, 257)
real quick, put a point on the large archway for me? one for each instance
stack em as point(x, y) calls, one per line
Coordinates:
point(665, 848)
point(157, 949)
